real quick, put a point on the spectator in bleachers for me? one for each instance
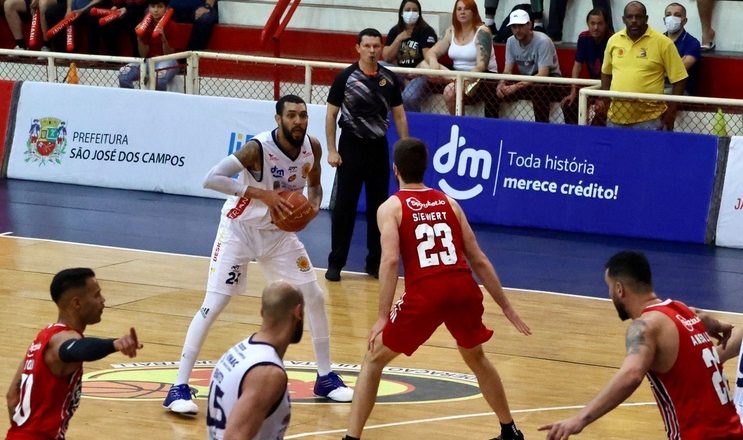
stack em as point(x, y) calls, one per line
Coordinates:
point(469, 45)
point(534, 54)
point(203, 14)
point(557, 17)
point(152, 47)
point(590, 52)
point(14, 9)
point(535, 6)
point(705, 8)
point(638, 59)
point(406, 45)
point(688, 47)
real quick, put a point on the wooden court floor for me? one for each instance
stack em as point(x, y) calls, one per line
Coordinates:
point(577, 345)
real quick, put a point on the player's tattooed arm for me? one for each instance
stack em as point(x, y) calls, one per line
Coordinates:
point(636, 336)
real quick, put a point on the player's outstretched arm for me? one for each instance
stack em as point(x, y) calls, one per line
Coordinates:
point(483, 268)
point(719, 330)
point(262, 388)
point(642, 337)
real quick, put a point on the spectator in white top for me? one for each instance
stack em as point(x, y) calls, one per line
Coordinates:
point(469, 44)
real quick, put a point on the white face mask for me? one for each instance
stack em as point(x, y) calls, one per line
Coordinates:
point(673, 24)
point(410, 17)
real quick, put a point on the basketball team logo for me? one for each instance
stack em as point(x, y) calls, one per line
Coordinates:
point(150, 381)
point(47, 141)
point(303, 263)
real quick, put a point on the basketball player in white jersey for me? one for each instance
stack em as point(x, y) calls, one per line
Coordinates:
point(248, 390)
point(284, 159)
point(734, 348)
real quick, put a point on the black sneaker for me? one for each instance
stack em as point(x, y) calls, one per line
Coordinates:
point(519, 436)
point(333, 274)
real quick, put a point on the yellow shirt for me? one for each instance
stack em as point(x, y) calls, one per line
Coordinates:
point(640, 66)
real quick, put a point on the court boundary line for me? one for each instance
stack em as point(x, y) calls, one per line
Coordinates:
point(175, 254)
point(457, 417)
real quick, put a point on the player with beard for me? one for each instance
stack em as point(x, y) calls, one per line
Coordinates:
point(670, 343)
point(249, 383)
point(284, 159)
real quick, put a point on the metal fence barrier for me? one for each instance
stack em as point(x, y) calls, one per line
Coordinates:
point(544, 99)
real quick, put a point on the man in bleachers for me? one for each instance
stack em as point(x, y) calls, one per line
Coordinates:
point(533, 53)
point(638, 59)
point(590, 51)
point(689, 48)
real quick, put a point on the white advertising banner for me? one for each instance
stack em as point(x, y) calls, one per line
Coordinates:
point(730, 220)
point(135, 139)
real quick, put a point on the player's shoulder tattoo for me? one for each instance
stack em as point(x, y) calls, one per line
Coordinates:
point(636, 335)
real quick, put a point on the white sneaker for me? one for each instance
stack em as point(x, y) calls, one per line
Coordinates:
point(332, 387)
point(179, 400)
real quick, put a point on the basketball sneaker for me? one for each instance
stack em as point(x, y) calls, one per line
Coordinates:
point(179, 400)
point(517, 435)
point(332, 387)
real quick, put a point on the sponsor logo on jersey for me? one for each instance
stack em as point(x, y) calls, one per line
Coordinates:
point(277, 172)
point(47, 141)
point(688, 323)
point(416, 205)
point(150, 381)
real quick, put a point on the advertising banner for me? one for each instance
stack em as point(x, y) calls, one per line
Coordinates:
point(134, 139)
point(572, 178)
point(730, 220)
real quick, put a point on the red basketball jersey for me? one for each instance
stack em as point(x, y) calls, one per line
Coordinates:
point(430, 235)
point(693, 396)
point(47, 401)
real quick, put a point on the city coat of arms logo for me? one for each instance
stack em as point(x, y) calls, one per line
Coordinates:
point(47, 141)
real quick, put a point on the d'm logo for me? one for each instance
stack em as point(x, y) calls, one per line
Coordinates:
point(476, 161)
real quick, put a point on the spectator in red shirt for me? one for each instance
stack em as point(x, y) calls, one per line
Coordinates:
point(590, 51)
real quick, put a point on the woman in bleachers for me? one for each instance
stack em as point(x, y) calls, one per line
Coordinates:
point(406, 45)
point(469, 45)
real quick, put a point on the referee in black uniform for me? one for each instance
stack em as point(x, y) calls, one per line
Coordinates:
point(364, 93)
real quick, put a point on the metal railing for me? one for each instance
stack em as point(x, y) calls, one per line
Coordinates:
point(54, 67)
point(443, 92)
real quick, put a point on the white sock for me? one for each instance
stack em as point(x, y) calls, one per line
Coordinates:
point(314, 308)
point(213, 305)
point(489, 21)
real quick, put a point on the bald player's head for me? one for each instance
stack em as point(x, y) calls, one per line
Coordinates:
point(279, 305)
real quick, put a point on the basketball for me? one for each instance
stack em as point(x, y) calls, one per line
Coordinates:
point(301, 212)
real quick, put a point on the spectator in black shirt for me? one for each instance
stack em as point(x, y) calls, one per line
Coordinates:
point(364, 93)
point(406, 45)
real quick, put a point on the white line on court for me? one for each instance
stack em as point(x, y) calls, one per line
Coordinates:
point(545, 292)
point(461, 416)
point(5, 234)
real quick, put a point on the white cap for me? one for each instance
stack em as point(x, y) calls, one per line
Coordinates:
point(519, 16)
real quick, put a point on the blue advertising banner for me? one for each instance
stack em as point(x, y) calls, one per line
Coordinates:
point(585, 179)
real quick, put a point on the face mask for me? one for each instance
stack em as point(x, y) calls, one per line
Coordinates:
point(410, 17)
point(673, 24)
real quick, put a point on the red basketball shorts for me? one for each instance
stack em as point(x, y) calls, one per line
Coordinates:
point(453, 299)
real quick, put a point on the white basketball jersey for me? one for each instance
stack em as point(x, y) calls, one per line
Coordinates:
point(279, 171)
point(225, 388)
point(738, 399)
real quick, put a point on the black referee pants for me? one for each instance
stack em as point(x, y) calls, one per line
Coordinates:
point(365, 162)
